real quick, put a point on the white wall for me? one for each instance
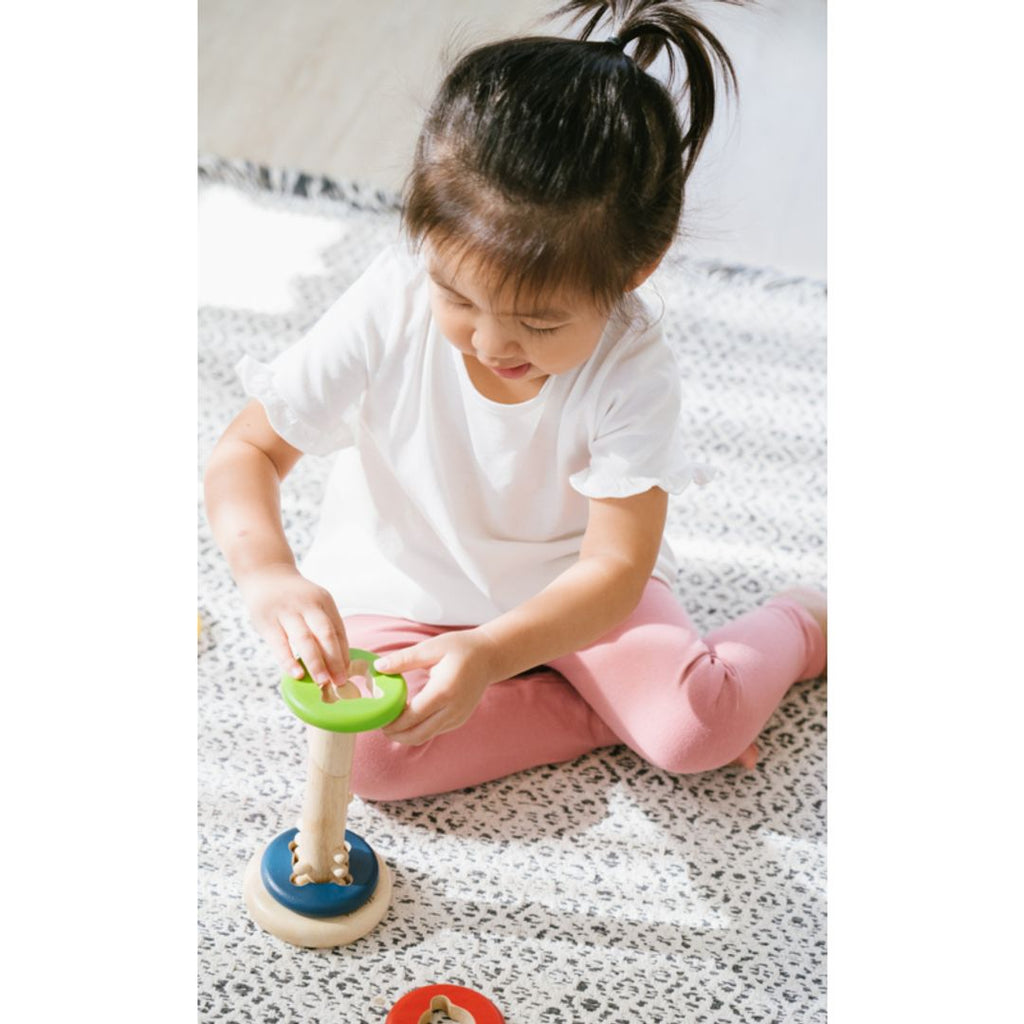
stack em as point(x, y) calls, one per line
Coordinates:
point(337, 87)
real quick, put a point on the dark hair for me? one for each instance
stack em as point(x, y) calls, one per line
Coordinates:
point(561, 162)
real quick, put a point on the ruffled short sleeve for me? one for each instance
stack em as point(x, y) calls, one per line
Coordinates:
point(313, 390)
point(637, 439)
point(268, 383)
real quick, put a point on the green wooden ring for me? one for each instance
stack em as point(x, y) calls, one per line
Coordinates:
point(303, 697)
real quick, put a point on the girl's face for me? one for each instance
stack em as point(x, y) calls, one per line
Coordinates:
point(511, 344)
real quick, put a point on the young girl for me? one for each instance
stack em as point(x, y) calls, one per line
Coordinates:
point(506, 418)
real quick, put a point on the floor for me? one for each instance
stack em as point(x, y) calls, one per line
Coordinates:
point(604, 891)
point(336, 88)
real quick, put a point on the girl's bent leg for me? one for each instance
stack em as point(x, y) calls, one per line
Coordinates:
point(523, 722)
point(688, 704)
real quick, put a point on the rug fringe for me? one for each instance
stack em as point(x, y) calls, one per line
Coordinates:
point(253, 177)
point(259, 179)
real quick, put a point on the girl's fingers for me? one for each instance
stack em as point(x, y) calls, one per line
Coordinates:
point(421, 655)
point(429, 700)
point(419, 733)
point(282, 649)
point(305, 645)
point(423, 706)
point(407, 720)
point(431, 705)
point(330, 634)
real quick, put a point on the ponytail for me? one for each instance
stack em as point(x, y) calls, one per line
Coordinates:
point(562, 162)
point(666, 26)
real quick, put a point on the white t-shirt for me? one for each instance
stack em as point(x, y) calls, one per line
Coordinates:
point(443, 506)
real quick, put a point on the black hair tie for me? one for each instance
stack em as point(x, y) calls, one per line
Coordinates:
point(616, 42)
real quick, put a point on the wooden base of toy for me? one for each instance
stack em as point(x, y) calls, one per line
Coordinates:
point(314, 932)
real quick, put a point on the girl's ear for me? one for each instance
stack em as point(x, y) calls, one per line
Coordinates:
point(643, 273)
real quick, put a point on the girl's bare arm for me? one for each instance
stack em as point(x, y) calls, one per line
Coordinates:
point(297, 618)
point(620, 548)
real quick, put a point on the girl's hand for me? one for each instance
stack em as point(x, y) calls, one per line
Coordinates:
point(299, 620)
point(461, 666)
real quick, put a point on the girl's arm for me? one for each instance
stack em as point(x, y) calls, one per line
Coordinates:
point(604, 586)
point(295, 616)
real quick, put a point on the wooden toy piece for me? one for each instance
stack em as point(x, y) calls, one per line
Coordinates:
point(322, 885)
point(330, 694)
point(314, 932)
point(316, 899)
point(385, 705)
point(320, 854)
point(463, 1005)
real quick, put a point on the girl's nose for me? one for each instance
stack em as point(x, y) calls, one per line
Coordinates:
point(490, 341)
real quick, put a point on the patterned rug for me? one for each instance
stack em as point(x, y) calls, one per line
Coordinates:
point(598, 891)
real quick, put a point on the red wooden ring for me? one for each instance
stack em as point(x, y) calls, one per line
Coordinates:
point(417, 1005)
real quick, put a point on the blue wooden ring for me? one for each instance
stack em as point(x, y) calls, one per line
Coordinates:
point(319, 899)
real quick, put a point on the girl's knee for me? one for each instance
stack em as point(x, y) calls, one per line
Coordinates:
point(707, 731)
point(711, 691)
point(382, 770)
point(689, 754)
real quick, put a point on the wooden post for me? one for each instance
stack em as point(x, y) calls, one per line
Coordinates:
point(319, 853)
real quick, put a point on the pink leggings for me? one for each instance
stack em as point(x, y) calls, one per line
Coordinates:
point(683, 703)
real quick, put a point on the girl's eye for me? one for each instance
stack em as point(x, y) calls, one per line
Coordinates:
point(541, 330)
point(453, 298)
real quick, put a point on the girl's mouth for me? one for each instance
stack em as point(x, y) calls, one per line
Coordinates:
point(511, 372)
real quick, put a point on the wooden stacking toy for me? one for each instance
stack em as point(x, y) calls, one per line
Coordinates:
point(462, 1005)
point(320, 884)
